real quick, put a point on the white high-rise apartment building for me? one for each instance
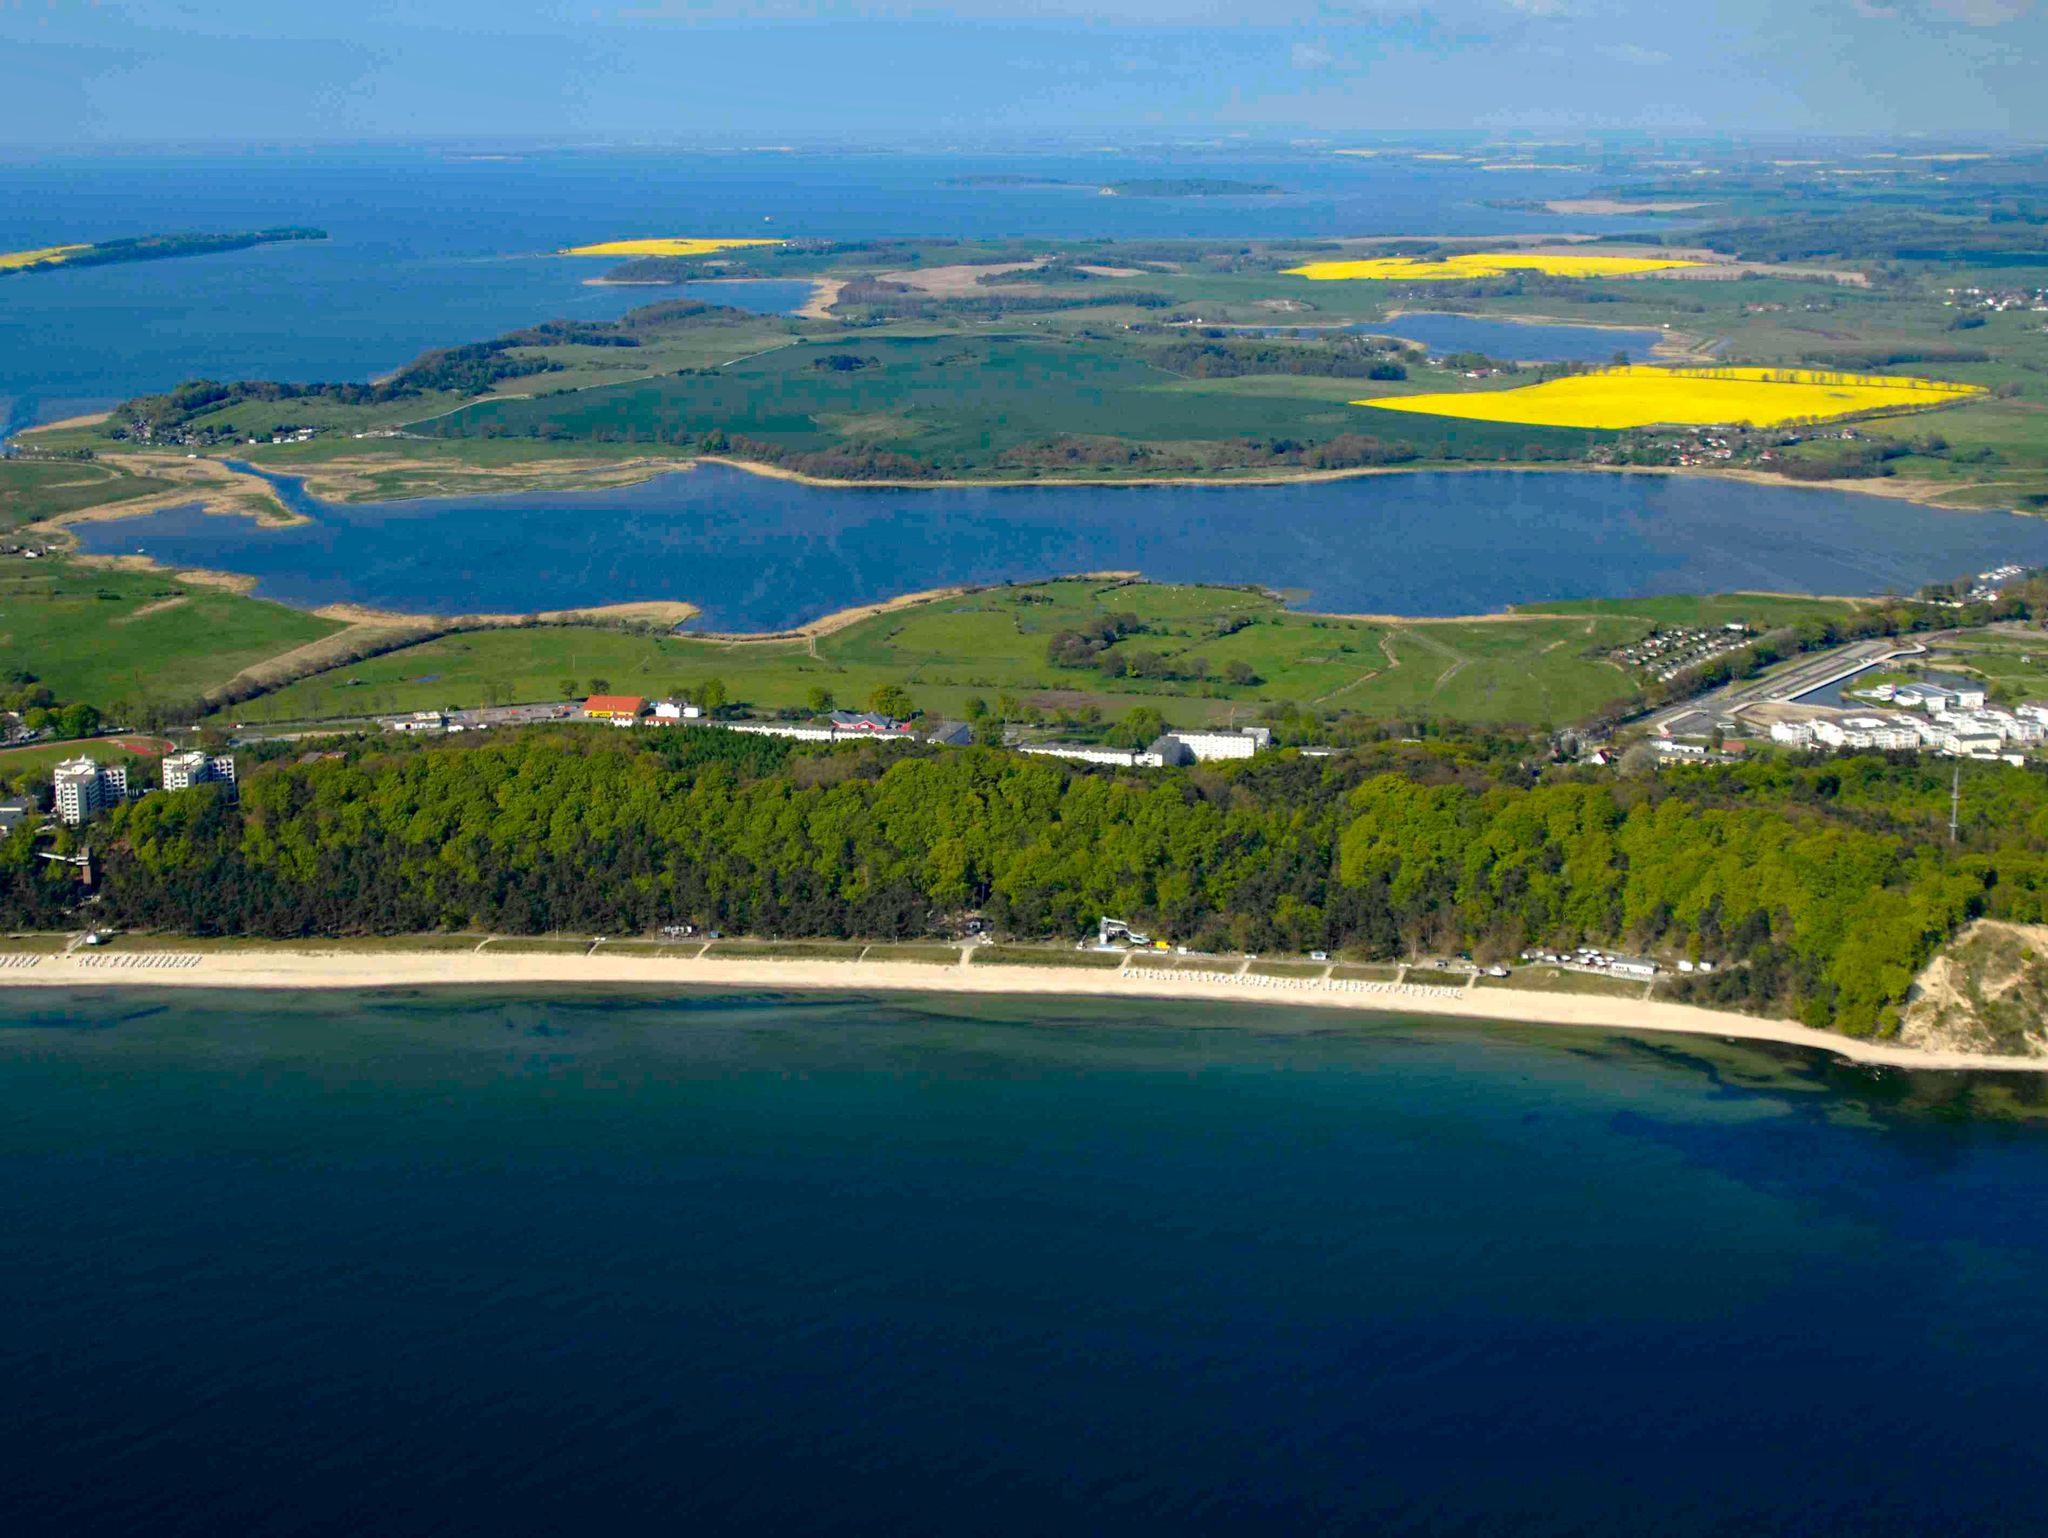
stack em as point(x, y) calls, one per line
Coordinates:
point(84, 788)
point(193, 767)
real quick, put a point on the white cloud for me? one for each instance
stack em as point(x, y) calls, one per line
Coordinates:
point(1984, 13)
point(1634, 53)
point(1971, 13)
point(1315, 55)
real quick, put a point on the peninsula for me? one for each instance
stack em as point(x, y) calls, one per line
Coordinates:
point(146, 248)
point(1800, 337)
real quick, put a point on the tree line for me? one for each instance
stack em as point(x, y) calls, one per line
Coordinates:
point(1819, 885)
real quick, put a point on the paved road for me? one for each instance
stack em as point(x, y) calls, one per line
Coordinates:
point(1790, 679)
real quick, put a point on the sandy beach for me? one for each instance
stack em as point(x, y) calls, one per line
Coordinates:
point(310, 967)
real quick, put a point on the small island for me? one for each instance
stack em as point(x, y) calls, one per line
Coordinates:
point(147, 248)
point(1190, 187)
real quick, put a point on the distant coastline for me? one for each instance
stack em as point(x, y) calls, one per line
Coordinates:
point(147, 248)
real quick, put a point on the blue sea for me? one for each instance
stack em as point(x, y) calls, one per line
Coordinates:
point(413, 1263)
point(433, 245)
point(759, 554)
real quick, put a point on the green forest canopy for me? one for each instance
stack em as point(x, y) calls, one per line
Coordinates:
point(1821, 887)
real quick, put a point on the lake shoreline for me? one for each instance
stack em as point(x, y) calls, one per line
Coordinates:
point(399, 968)
point(100, 537)
point(637, 469)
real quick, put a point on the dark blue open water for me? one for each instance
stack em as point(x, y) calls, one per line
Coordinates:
point(760, 554)
point(431, 247)
point(411, 1264)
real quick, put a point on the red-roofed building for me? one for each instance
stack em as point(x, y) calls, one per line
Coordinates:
point(622, 708)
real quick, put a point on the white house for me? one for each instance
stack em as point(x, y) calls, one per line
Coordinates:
point(676, 710)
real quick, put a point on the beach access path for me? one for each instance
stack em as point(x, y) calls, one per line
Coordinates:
point(307, 966)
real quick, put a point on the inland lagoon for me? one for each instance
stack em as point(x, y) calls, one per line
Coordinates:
point(762, 554)
point(1524, 341)
point(597, 1261)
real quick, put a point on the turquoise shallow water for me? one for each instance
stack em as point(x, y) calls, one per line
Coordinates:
point(402, 1263)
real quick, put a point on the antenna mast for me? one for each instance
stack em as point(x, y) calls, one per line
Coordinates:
point(1955, 801)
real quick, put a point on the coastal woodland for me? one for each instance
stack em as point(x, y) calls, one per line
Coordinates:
point(1819, 887)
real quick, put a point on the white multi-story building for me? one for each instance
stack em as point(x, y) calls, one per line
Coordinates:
point(1241, 743)
point(1866, 732)
point(84, 788)
point(184, 770)
point(1973, 744)
point(676, 710)
point(1091, 753)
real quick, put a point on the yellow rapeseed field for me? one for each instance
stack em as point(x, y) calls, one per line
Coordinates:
point(665, 245)
point(1486, 264)
point(1641, 396)
point(10, 259)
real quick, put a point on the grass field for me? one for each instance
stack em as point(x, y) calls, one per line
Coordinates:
point(1530, 669)
point(105, 637)
point(1641, 396)
point(1046, 956)
point(33, 489)
point(41, 757)
point(1761, 611)
point(959, 402)
point(1557, 980)
point(784, 950)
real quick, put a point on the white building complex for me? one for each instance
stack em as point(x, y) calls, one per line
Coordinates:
point(84, 788)
point(1202, 745)
point(1095, 753)
point(1949, 727)
point(184, 770)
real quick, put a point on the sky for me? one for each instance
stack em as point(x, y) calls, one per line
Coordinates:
point(132, 71)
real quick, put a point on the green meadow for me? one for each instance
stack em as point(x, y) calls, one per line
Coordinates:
point(33, 489)
point(1527, 669)
point(104, 636)
point(962, 401)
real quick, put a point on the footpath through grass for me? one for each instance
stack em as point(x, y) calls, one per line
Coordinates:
point(1235, 651)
